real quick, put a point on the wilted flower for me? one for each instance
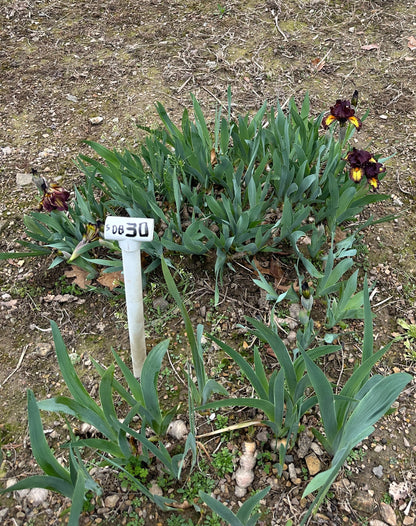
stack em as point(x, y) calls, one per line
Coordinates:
point(363, 164)
point(54, 196)
point(92, 233)
point(343, 113)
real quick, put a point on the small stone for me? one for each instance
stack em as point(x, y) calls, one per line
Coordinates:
point(37, 496)
point(363, 502)
point(376, 522)
point(291, 337)
point(408, 521)
point(160, 303)
point(378, 449)
point(378, 471)
point(96, 120)
point(262, 435)
point(22, 493)
point(177, 429)
point(155, 489)
point(240, 492)
point(23, 179)
point(316, 449)
point(313, 463)
point(43, 348)
point(111, 501)
point(11, 482)
point(304, 444)
point(292, 472)
point(6, 151)
point(3, 514)
point(71, 98)
point(387, 514)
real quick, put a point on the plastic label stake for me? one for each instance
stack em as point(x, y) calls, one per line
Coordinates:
point(130, 232)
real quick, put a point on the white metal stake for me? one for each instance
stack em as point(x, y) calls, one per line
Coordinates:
point(130, 232)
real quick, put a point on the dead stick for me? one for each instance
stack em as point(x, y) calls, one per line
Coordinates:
point(19, 363)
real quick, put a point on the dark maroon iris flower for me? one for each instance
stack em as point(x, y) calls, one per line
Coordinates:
point(54, 198)
point(342, 112)
point(363, 164)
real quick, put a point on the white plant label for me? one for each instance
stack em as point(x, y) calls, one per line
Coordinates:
point(134, 228)
point(130, 232)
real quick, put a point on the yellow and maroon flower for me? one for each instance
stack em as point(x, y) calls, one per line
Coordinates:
point(343, 113)
point(363, 164)
point(54, 198)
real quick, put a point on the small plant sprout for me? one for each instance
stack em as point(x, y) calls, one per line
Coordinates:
point(130, 232)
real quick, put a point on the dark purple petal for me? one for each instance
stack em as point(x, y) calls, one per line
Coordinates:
point(358, 157)
point(342, 110)
point(373, 168)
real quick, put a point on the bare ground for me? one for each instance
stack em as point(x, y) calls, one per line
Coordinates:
point(64, 63)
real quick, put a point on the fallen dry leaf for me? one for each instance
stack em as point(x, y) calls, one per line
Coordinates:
point(213, 157)
point(411, 43)
point(79, 275)
point(110, 279)
point(369, 47)
point(318, 63)
point(276, 270)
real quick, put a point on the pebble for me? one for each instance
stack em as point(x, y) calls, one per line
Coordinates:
point(96, 120)
point(262, 436)
point(177, 429)
point(363, 502)
point(378, 471)
point(6, 151)
point(376, 522)
point(387, 514)
point(111, 501)
point(155, 489)
point(37, 496)
point(313, 464)
point(316, 449)
point(160, 303)
point(23, 179)
point(43, 348)
point(292, 472)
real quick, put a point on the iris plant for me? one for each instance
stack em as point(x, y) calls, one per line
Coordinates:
point(362, 164)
